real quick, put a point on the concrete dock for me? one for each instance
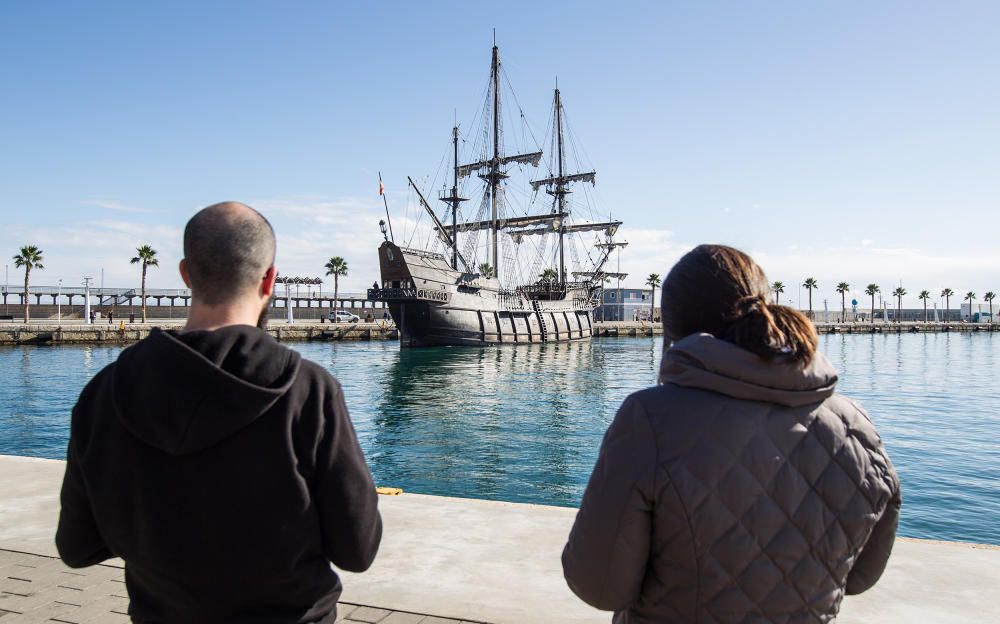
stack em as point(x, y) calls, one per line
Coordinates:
point(448, 560)
point(125, 333)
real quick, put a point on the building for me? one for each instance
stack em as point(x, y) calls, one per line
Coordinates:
point(625, 304)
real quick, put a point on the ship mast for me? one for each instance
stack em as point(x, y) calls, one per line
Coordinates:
point(559, 187)
point(454, 200)
point(495, 174)
point(560, 190)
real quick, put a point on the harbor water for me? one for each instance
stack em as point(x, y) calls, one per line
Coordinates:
point(524, 423)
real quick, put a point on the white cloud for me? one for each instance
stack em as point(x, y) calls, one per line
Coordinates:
point(73, 250)
point(113, 205)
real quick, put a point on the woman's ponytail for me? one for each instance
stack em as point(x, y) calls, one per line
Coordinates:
point(771, 330)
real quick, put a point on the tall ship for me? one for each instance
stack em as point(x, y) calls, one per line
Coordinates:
point(501, 276)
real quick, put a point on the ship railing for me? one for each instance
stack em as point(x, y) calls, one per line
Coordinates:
point(422, 253)
point(391, 294)
point(511, 300)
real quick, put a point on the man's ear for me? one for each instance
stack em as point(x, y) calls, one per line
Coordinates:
point(267, 284)
point(182, 267)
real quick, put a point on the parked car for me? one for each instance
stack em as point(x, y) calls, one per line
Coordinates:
point(343, 317)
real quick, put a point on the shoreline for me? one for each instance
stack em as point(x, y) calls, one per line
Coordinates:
point(49, 333)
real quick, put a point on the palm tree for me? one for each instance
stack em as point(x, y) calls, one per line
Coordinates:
point(947, 293)
point(486, 270)
point(549, 275)
point(843, 288)
point(653, 281)
point(146, 256)
point(872, 290)
point(898, 294)
point(336, 267)
point(29, 258)
point(924, 296)
point(778, 288)
point(970, 297)
point(988, 297)
point(810, 283)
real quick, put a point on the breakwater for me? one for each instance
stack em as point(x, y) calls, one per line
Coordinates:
point(45, 332)
point(124, 333)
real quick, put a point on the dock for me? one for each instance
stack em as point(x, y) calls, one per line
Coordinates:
point(451, 560)
point(124, 332)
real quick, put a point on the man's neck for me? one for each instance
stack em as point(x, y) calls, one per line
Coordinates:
point(212, 317)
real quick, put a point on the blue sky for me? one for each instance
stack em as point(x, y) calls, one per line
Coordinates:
point(843, 141)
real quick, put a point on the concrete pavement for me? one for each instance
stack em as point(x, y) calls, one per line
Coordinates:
point(487, 561)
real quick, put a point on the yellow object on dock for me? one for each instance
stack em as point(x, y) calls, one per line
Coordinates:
point(389, 491)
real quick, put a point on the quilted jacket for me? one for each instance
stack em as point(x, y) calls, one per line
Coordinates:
point(735, 491)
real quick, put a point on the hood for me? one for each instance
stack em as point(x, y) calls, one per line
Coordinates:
point(184, 392)
point(706, 362)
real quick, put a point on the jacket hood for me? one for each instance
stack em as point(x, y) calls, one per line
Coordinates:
point(706, 362)
point(184, 392)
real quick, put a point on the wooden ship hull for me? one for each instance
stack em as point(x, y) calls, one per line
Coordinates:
point(435, 305)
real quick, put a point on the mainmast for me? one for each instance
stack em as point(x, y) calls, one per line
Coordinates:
point(560, 190)
point(495, 174)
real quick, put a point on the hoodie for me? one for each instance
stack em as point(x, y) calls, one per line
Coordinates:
point(224, 470)
point(738, 490)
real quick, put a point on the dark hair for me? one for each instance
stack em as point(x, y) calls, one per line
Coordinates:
point(721, 291)
point(228, 248)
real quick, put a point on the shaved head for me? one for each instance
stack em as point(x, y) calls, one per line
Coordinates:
point(228, 247)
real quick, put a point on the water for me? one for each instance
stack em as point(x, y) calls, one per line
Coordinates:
point(524, 423)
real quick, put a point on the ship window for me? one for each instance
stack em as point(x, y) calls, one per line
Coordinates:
point(395, 284)
point(388, 254)
point(612, 295)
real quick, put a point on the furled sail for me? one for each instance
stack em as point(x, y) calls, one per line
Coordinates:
point(590, 176)
point(609, 228)
point(551, 220)
point(530, 159)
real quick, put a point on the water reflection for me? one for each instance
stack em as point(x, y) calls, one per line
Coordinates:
point(513, 423)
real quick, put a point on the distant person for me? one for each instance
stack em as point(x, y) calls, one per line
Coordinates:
point(93, 316)
point(111, 317)
point(220, 465)
point(742, 488)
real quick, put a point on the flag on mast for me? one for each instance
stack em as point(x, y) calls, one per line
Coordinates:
point(381, 188)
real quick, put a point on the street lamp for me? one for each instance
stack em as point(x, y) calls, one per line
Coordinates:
point(381, 225)
point(59, 303)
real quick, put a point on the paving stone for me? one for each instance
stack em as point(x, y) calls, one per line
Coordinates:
point(36, 588)
point(34, 600)
point(400, 617)
point(98, 611)
point(344, 610)
point(369, 615)
point(8, 557)
point(45, 613)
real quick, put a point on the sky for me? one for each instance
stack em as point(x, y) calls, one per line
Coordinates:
point(845, 141)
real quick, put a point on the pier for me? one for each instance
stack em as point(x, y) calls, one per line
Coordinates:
point(501, 565)
point(48, 302)
point(121, 331)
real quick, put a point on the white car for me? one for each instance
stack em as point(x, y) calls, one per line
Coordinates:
point(343, 317)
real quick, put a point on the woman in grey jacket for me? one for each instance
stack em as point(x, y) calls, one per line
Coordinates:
point(742, 488)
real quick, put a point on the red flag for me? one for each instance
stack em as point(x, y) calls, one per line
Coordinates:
point(381, 188)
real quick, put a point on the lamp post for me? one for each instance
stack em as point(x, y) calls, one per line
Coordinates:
point(59, 303)
point(86, 300)
point(381, 226)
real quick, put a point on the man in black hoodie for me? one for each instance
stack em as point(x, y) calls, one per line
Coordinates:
point(221, 466)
